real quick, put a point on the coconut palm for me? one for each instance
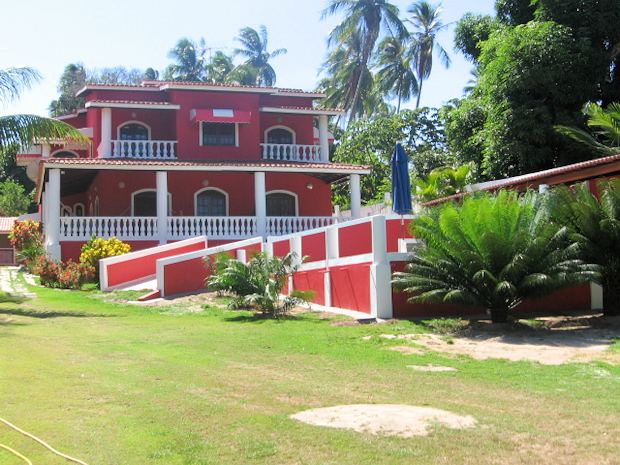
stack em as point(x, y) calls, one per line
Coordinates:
point(254, 48)
point(189, 61)
point(605, 123)
point(426, 23)
point(594, 224)
point(219, 67)
point(21, 131)
point(395, 75)
point(364, 21)
point(442, 182)
point(494, 251)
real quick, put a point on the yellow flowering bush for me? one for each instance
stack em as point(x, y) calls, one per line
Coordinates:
point(98, 248)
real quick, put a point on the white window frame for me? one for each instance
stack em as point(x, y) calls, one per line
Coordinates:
point(133, 196)
point(96, 209)
point(200, 135)
point(280, 126)
point(80, 204)
point(197, 193)
point(283, 191)
point(65, 208)
point(53, 154)
point(120, 126)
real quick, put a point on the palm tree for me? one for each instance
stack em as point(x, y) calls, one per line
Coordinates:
point(594, 224)
point(426, 23)
point(605, 123)
point(442, 182)
point(364, 21)
point(219, 67)
point(395, 75)
point(21, 131)
point(254, 50)
point(493, 252)
point(189, 63)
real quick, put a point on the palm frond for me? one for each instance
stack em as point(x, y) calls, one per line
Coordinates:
point(14, 80)
point(24, 130)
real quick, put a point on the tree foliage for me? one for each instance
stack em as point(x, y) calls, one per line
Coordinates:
point(604, 125)
point(493, 251)
point(442, 182)
point(14, 200)
point(372, 142)
point(254, 50)
point(539, 62)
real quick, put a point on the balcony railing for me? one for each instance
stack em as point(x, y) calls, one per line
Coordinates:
point(144, 149)
point(182, 227)
point(292, 152)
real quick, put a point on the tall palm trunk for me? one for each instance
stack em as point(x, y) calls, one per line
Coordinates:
point(417, 103)
point(400, 83)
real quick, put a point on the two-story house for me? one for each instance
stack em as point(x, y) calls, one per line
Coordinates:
point(172, 160)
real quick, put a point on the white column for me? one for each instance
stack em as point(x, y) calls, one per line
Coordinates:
point(105, 147)
point(45, 150)
point(52, 204)
point(161, 182)
point(356, 196)
point(260, 200)
point(380, 271)
point(596, 297)
point(324, 138)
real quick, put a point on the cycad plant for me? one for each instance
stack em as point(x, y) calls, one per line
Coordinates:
point(493, 251)
point(605, 126)
point(594, 224)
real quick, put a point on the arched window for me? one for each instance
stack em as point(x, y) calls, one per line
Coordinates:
point(281, 203)
point(144, 203)
point(65, 154)
point(280, 135)
point(78, 209)
point(96, 209)
point(211, 202)
point(134, 131)
point(65, 211)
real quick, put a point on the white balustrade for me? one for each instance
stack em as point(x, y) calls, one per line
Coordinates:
point(280, 225)
point(214, 227)
point(292, 152)
point(74, 228)
point(144, 149)
point(137, 228)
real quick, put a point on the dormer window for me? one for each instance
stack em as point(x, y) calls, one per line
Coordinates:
point(219, 134)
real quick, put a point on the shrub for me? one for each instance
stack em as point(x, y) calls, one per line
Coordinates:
point(70, 275)
point(494, 251)
point(97, 248)
point(29, 255)
point(594, 225)
point(259, 283)
point(25, 234)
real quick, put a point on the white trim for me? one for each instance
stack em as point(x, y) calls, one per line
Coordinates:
point(119, 87)
point(138, 106)
point(344, 261)
point(200, 137)
point(283, 191)
point(80, 204)
point(65, 208)
point(596, 297)
point(97, 205)
point(221, 191)
point(71, 115)
point(103, 263)
point(252, 90)
point(148, 189)
point(132, 121)
point(280, 126)
point(303, 111)
point(53, 154)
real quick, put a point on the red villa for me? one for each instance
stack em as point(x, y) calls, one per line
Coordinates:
point(172, 160)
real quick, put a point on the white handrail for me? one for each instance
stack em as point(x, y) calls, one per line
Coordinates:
point(214, 227)
point(74, 228)
point(280, 225)
point(144, 149)
point(292, 152)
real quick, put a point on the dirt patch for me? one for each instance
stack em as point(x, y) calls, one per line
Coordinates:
point(407, 350)
point(385, 419)
point(431, 368)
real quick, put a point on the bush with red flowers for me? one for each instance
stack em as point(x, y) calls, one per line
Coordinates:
point(69, 275)
point(25, 234)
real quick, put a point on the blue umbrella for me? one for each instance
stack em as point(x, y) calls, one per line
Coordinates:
point(401, 186)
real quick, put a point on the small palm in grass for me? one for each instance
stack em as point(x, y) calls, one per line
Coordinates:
point(594, 224)
point(492, 252)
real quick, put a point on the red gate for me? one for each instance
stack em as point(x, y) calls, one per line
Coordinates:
point(7, 256)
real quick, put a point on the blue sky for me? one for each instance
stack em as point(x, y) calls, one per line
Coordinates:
point(47, 35)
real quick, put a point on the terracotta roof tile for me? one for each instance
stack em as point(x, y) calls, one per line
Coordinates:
point(135, 102)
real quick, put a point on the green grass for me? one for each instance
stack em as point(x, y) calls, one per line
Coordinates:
point(117, 384)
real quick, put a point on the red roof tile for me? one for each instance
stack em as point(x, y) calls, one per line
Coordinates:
point(528, 178)
point(129, 102)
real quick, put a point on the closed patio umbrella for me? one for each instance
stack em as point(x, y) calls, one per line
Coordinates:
point(401, 185)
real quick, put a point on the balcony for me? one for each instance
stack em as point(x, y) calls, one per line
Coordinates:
point(132, 228)
point(144, 149)
point(293, 152)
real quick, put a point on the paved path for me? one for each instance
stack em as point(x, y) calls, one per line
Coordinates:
point(11, 283)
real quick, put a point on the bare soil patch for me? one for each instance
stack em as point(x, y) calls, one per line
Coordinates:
point(385, 419)
point(432, 368)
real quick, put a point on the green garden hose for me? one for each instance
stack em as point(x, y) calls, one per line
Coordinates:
point(40, 441)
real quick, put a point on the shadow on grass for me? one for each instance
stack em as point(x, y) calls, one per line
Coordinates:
point(262, 318)
point(27, 312)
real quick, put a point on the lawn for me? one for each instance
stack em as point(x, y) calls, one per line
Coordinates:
point(117, 384)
